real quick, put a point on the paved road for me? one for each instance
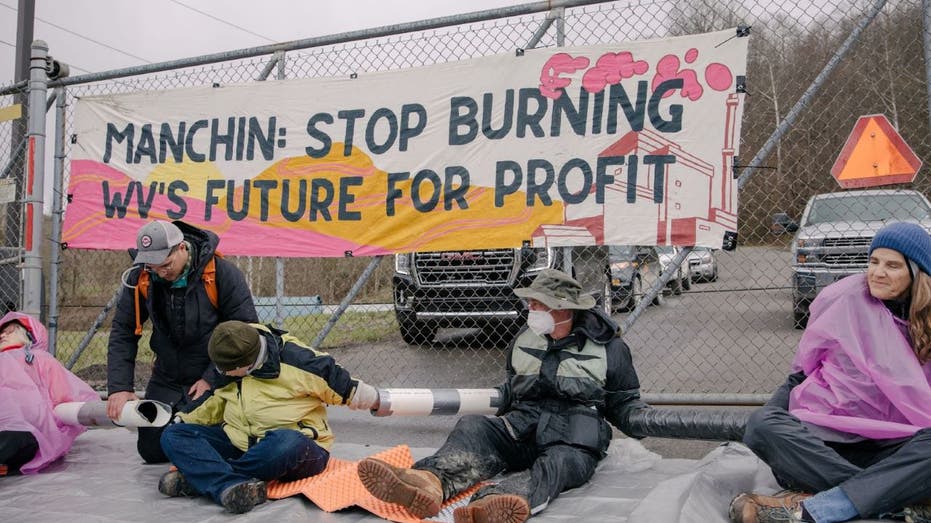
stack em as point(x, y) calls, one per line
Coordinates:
point(734, 335)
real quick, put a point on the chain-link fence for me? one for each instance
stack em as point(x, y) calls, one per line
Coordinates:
point(12, 163)
point(724, 326)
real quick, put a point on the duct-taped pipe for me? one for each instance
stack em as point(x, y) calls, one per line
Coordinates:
point(139, 413)
point(436, 402)
point(706, 424)
point(715, 425)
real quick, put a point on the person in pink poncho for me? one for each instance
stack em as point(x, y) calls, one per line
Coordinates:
point(32, 383)
point(849, 433)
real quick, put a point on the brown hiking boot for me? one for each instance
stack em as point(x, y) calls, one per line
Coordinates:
point(419, 491)
point(918, 513)
point(785, 506)
point(494, 508)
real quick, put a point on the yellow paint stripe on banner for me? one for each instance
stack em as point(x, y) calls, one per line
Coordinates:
point(12, 112)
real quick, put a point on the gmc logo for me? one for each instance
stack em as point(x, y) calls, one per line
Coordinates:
point(460, 256)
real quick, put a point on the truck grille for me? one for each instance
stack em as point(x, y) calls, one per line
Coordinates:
point(846, 258)
point(853, 251)
point(849, 242)
point(490, 267)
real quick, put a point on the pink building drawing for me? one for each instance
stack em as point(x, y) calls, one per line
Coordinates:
point(696, 200)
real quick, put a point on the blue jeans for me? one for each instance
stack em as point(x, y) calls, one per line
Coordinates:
point(210, 462)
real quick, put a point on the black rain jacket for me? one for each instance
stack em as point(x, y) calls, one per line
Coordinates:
point(182, 320)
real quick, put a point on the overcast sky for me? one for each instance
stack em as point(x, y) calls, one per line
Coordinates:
point(98, 35)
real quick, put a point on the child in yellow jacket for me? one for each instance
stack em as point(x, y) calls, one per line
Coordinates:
point(268, 423)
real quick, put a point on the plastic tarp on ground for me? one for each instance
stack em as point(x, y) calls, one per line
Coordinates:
point(103, 480)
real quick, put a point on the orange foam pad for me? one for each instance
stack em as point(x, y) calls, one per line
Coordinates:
point(339, 487)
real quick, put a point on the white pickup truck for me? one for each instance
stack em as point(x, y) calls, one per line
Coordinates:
point(834, 235)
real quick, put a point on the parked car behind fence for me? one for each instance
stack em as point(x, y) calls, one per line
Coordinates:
point(703, 264)
point(682, 277)
point(634, 269)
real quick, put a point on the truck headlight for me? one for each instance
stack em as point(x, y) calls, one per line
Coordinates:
point(806, 257)
point(402, 263)
point(809, 242)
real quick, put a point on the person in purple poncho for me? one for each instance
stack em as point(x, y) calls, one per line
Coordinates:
point(849, 432)
point(32, 383)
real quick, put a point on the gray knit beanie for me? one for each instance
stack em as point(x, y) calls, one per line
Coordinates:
point(908, 239)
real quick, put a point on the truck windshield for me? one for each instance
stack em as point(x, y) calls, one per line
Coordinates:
point(868, 208)
point(622, 252)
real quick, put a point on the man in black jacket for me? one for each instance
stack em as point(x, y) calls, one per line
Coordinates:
point(168, 285)
point(568, 374)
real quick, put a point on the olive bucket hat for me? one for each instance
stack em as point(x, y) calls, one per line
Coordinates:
point(557, 290)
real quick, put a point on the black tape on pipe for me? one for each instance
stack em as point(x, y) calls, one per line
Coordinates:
point(714, 425)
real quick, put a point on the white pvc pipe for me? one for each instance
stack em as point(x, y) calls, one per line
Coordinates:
point(436, 402)
point(139, 413)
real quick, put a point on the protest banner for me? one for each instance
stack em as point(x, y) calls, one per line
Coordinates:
point(627, 143)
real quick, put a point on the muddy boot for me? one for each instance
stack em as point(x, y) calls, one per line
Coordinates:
point(419, 491)
point(494, 508)
point(173, 484)
point(243, 497)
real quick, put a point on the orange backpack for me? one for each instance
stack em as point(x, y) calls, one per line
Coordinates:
point(209, 277)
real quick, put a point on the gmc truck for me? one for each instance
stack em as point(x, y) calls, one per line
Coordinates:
point(834, 235)
point(475, 288)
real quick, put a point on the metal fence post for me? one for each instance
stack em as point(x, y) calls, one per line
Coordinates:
point(276, 61)
point(658, 286)
point(89, 335)
point(351, 295)
point(560, 13)
point(58, 192)
point(279, 262)
point(544, 27)
point(35, 178)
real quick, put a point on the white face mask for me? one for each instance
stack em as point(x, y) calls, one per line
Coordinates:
point(540, 322)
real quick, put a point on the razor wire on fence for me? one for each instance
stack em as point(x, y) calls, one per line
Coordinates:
point(703, 325)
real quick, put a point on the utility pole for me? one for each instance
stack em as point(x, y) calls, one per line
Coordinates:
point(11, 239)
point(25, 20)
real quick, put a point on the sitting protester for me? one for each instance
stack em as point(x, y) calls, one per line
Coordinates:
point(269, 423)
point(32, 383)
point(849, 433)
point(568, 374)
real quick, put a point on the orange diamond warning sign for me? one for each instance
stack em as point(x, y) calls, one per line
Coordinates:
point(875, 154)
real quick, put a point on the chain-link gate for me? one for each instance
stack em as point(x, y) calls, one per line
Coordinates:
point(718, 326)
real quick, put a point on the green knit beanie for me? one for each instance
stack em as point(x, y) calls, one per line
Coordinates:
point(233, 344)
